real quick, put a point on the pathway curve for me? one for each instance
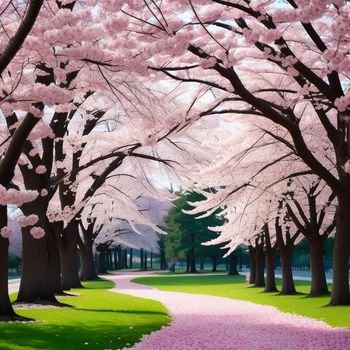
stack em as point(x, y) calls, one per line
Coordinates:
point(203, 322)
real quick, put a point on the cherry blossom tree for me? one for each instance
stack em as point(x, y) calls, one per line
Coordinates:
point(285, 63)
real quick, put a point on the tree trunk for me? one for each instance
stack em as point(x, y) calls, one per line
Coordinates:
point(318, 274)
point(214, 261)
point(87, 272)
point(193, 268)
point(34, 284)
point(270, 262)
point(6, 309)
point(151, 260)
point(130, 259)
point(126, 258)
point(252, 264)
point(188, 262)
point(54, 263)
point(102, 268)
point(115, 254)
point(201, 267)
point(110, 261)
point(142, 263)
point(340, 290)
point(120, 258)
point(69, 257)
point(145, 267)
point(233, 265)
point(40, 277)
point(259, 269)
point(288, 286)
point(270, 270)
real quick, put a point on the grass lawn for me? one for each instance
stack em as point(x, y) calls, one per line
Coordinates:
point(235, 287)
point(98, 319)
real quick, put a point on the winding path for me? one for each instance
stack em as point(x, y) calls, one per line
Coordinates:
point(203, 322)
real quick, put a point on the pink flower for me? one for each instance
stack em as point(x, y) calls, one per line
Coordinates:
point(37, 232)
point(150, 140)
point(5, 232)
point(41, 169)
point(29, 220)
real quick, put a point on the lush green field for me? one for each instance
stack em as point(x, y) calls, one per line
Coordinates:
point(236, 288)
point(97, 319)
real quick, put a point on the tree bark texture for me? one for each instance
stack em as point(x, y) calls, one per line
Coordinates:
point(340, 290)
point(232, 265)
point(252, 264)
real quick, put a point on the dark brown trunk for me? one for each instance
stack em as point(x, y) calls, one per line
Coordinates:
point(214, 261)
point(193, 268)
point(188, 263)
point(340, 290)
point(86, 254)
point(201, 266)
point(285, 246)
point(318, 274)
point(259, 269)
point(69, 257)
point(232, 265)
point(270, 271)
point(54, 264)
point(145, 266)
point(120, 258)
point(34, 284)
point(151, 259)
point(126, 258)
point(109, 260)
point(192, 256)
point(270, 262)
point(40, 278)
point(130, 259)
point(288, 286)
point(6, 309)
point(142, 263)
point(115, 259)
point(252, 264)
point(102, 269)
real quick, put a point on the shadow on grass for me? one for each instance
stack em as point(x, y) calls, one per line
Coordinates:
point(131, 312)
point(106, 335)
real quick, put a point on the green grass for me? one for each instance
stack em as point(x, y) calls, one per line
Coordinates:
point(235, 287)
point(98, 319)
point(180, 271)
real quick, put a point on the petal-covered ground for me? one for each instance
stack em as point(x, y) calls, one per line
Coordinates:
point(203, 322)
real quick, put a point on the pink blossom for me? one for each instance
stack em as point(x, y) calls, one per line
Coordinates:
point(12, 196)
point(41, 169)
point(44, 192)
point(5, 232)
point(37, 232)
point(208, 63)
point(29, 220)
point(150, 140)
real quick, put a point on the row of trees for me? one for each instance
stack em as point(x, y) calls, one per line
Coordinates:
point(87, 119)
point(77, 141)
point(284, 67)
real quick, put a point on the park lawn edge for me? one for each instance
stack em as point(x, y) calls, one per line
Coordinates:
point(235, 287)
point(97, 319)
